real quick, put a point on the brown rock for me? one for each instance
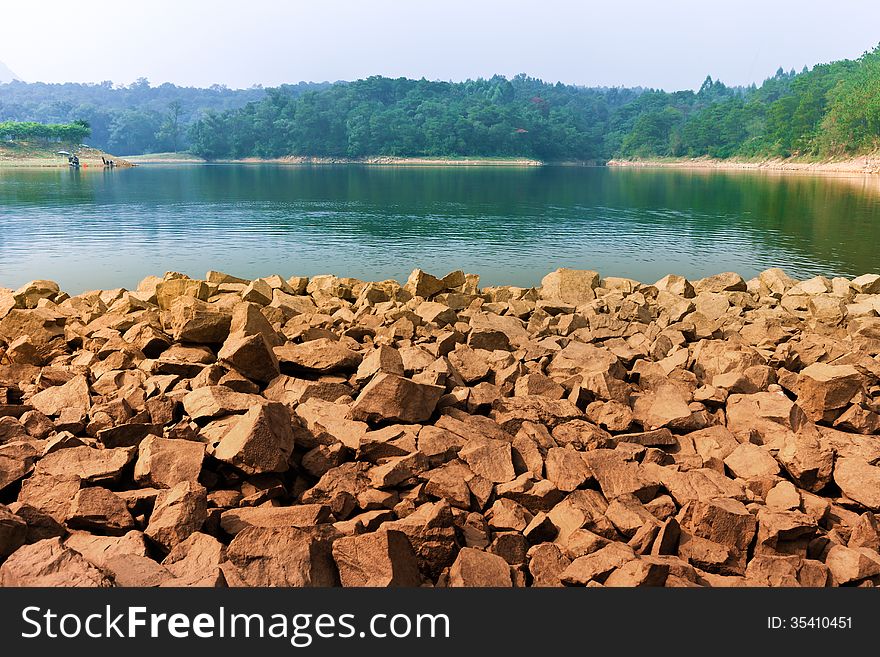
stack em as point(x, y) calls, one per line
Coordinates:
point(859, 481)
point(287, 556)
point(214, 401)
point(511, 412)
point(301, 515)
point(50, 493)
point(489, 458)
point(251, 355)
point(823, 387)
point(260, 441)
point(566, 468)
point(617, 476)
point(48, 563)
point(807, 459)
point(388, 397)
point(851, 564)
point(571, 286)
point(164, 463)
point(99, 510)
point(170, 289)
point(382, 359)
point(94, 466)
point(72, 395)
point(178, 512)
point(475, 568)
point(665, 406)
point(383, 558)
point(596, 565)
point(196, 561)
point(749, 461)
point(198, 322)
point(638, 573)
point(13, 532)
point(319, 356)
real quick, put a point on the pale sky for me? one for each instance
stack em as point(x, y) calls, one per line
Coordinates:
point(671, 44)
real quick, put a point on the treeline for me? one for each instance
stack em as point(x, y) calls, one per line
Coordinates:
point(72, 133)
point(125, 120)
point(831, 109)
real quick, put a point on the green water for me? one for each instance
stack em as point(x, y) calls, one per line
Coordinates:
point(94, 229)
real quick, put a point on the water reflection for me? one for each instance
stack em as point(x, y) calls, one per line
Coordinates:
point(90, 229)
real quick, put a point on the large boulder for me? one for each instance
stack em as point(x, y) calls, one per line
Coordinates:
point(388, 397)
point(570, 286)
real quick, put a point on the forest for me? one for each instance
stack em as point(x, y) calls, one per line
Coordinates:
point(828, 110)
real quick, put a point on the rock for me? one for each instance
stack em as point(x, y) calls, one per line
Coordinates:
point(195, 321)
point(851, 564)
point(677, 285)
point(382, 359)
point(638, 573)
point(383, 558)
point(95, 466)
point(13, 532)
point(99, 510)
point(489, 458)
point(73, 395)
point(48, 563)
point(807, 459)
point(301, 515)
point(617, 476)
point(566, 468)
point(29, 294)
point(726, 282)
point(749, 461)
point(288, 556)
point(262, 440)
point(859, 480)
point(784, 497)
point(662, 407)
point(475, 568)
point(164, 463)
point(50, 493)
point(866, 284)
point(196, 561)
point(320, 356)
point(823, 387)
point(214, 401)
point(596, 565)
point(251, 355)
point(572, 286)
point(511, 412)
point(388, 397)
point(422, 284)
point(178, 512)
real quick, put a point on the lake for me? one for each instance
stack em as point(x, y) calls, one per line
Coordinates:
point(105, 229)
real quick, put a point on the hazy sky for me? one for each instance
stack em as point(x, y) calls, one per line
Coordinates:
point(671, 44)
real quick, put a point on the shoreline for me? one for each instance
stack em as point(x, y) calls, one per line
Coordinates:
point(371, 161)
point(329, 431)
point(866, 164)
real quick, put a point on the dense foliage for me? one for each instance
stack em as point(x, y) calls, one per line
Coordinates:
point(831, 109)
point(72, 133)
point(125, 120)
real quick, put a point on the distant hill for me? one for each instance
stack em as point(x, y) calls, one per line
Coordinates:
point(6, 74)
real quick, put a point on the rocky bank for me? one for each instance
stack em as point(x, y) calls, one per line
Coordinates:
point(330, 431)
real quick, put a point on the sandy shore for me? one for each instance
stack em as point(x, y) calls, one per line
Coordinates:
point(89, 158)
point(863, 164)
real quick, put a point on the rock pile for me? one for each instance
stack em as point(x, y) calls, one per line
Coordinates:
point(330, 431)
